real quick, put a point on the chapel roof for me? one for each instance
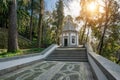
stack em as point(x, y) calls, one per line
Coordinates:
point(69, 25)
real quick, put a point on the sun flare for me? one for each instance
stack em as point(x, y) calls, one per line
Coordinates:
point(91, 6)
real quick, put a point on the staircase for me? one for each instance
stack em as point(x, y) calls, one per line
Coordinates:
point(68, 54)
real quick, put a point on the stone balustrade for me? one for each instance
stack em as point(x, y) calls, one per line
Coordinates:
point(10, 64)
point(103, 68)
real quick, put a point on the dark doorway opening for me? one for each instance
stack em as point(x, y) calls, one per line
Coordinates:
point(65, 42)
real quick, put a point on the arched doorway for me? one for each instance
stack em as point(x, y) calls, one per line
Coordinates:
point(65, 42)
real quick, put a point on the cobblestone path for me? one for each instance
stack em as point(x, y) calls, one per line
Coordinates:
point(52, 70)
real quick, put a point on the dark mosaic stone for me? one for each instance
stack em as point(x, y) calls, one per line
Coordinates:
point(36, 74)
point(64, 67)
point(57, 76)
point(16, 75)
point(77, 68)
point(68, 72)
point(37, 70)
point(74, 77)
point(38, 66)
point(49, 66)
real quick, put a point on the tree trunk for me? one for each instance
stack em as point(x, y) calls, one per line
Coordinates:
point(6, 22)
point(83, 32)
point(87, 35)
point(42, 37)
point(39, 30)
point(105, 28)
point(31, 20)
point(12, 29)
point(40, 22)
point(55, 37)
point(102, 40)
point(57, 34)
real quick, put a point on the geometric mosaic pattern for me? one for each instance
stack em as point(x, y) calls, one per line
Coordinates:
point(53, 70)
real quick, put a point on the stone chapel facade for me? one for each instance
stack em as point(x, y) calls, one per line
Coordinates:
point(69, 36)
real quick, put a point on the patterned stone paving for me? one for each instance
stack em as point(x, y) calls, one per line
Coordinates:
point(52, 70)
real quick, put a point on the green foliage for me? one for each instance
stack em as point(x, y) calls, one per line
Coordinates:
point(60, 20)
point(3, 39)
point(10, 54)
point(3, 6)
point(32, 50)
point(110, 50)
point(23, 18)
point(23, 42)
point(112, 43)
point(23, 23)
point(5, 54)
point(4, 13)
point(104, 25)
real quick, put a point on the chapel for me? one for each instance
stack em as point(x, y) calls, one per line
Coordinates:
point(69, 36)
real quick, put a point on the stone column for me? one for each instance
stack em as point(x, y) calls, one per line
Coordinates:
point(69, 38)
point(62, 40)
point(76, 39)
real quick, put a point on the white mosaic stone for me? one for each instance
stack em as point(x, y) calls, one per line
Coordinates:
point(53, 70)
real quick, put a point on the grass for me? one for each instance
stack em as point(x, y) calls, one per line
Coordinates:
point(5, 54)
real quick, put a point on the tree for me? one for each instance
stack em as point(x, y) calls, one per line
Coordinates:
point(12, 29)
point(4, 13)
point(31, 20)
point(40, 22)
point(97, 19)
point(86, 16)
point(60, 20)
point(23, 17)
point(111, 10)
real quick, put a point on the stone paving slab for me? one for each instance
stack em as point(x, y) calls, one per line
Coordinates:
point(52, 70)
point(7, 66)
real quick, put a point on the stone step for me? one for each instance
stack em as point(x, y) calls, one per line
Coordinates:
point(68, 54)
point(74, 60)
point(67, 57)
point(69, 51)
point(61, 48)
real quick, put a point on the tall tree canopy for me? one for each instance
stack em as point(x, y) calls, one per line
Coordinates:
point(101, 16)
point(60, 20)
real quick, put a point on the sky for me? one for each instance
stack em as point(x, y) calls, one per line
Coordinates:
point(73, 10)
point(50, 4)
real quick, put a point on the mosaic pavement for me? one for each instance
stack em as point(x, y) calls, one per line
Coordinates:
point(52, 70)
